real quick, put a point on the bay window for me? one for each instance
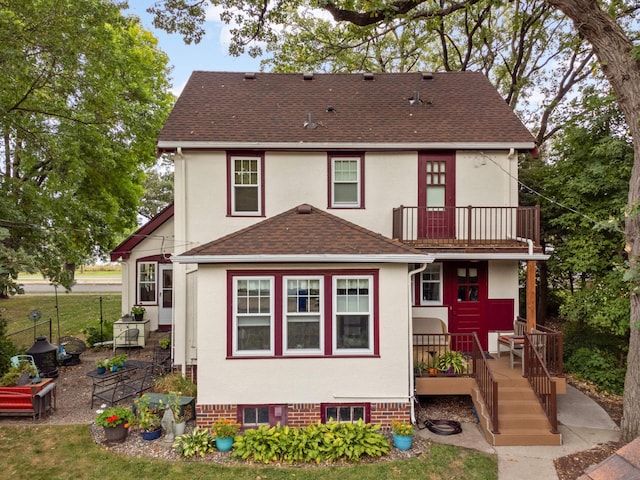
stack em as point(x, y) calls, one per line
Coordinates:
point(253, 307)
point(303, 307)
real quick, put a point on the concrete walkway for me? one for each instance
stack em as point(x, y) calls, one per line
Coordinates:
point(583, 424)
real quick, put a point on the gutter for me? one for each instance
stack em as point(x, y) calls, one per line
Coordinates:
point(412, 387)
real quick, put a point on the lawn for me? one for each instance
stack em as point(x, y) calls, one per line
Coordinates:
point(63, 452)
point(75, 311)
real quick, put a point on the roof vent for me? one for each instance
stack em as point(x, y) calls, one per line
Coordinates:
point(427, 76)
point(310, 123)
point(304, 209)
point(307, 76)
point(367, 76)
point(250, 76)
point(415, 99)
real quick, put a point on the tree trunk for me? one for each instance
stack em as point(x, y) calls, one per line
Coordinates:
point(614, 51)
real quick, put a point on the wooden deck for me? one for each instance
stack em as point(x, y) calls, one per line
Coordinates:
point(521, 419)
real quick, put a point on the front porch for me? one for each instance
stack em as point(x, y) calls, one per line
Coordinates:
point(516, 406)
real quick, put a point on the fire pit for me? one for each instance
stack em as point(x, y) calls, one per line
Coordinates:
point(45, 356)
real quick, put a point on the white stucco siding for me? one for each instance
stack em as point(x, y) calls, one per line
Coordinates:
point(302, 380)
point(486, 179)
point(503, 279)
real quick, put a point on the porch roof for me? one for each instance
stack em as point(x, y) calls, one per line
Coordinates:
point(304, 234)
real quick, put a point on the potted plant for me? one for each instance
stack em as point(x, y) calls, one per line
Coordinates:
point(419, 368)
point(115, 422)
point(138, 312)
point(402, 434)
point(165, 343)
point(452, 362)
point(223, 430)
point(102, 366)
point(147, 418)
point(433, 367)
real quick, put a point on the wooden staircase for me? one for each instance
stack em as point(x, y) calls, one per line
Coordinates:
point(521, 419)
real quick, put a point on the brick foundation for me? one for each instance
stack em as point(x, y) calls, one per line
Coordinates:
point(303, 414)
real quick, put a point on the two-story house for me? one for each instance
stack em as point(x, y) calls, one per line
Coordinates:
point(319, 222)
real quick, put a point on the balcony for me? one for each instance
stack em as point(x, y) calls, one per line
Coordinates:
point(505, 228)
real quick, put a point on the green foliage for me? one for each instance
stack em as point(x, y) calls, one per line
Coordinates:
point(114, 416)
point(83, 99)
point(599, 367)
point(197, 442)
point(175, 382)
point(93, 335)
point(314, 443)
point(7, 348)
point(452, 358)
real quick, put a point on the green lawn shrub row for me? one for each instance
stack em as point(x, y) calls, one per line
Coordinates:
point(314, 443)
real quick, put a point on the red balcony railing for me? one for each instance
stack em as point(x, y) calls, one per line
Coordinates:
point(467, 226)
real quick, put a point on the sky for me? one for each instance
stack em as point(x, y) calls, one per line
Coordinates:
point(210, 54)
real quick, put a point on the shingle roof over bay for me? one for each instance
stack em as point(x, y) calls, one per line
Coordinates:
point(269, 107)
point(303, 230)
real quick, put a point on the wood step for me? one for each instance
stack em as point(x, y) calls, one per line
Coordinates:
point(524, 421)
point(519, 406)
point(516, 393)
point(526, 437)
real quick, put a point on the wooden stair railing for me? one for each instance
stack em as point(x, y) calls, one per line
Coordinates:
point(539, 378)
point(487, 385)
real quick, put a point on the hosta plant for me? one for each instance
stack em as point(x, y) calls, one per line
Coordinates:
point(197, 442)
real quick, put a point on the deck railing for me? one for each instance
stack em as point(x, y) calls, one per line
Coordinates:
point(467, 226)
point(552, 352)
point(539, 377)
point(428, 347)
point(487, 385)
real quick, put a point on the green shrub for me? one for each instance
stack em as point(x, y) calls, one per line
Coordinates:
point(314, 443)
point(599, 367)
point(198, 442)
point(7, 348)
point(93, 333)
point(175, 382)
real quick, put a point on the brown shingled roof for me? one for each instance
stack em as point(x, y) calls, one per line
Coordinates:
point(270, 107)
point(303, 230)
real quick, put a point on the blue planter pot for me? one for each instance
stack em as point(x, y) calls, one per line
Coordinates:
point(151, 435)
point(114, 368)
point(101, 370)
point(403, 442)
point(224, 444)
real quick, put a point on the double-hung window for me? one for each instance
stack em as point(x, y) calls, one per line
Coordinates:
point(303, 315)
point(431, 285)
point(246, 184)
point(353, 315)
point(346, 182)
point(147, 278)
point(253, 317)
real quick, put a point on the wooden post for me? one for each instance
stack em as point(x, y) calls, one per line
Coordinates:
point(531, 295)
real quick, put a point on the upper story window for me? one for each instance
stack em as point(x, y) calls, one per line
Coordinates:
point(346, 184)
point(147, 275)
point(246, 185)
point(431, 285)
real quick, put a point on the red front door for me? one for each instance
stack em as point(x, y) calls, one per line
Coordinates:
point(436, 195)
point(467, 298)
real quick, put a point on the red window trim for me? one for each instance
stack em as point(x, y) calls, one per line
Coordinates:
point(365, 405)
point(273, 419)
point(158, 259)
point(330, 157)
point(327, 275)
point(259, 155)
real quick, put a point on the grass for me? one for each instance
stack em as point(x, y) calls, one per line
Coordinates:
point(62, 452)
point(109, 271)
point(76, 312)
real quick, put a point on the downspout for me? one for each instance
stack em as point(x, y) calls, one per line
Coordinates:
point(421, 269)
point(183, 360)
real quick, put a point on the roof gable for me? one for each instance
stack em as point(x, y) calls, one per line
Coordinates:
point(124, 249)
point(395, 108)
point(302, 231)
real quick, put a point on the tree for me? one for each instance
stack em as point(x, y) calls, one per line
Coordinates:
point(83, 98)
point(604, 30)
point(158, 189)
